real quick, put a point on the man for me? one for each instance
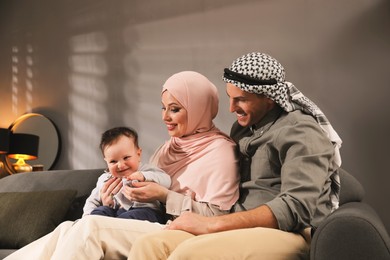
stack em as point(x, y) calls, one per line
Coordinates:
point(288, 164)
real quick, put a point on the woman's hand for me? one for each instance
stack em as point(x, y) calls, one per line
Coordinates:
point(145, 192)
point(109, 189)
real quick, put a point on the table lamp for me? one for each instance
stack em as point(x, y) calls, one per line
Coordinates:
point(4, 140)
point(23, 147)
point(4, 146)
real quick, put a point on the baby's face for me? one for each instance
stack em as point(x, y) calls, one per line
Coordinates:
point(122, 157)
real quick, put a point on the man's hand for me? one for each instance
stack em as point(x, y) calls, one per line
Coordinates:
point(196, 224)
point(191, 222)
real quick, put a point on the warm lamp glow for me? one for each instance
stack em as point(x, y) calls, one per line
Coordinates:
point(21, 165)
point(22, 157)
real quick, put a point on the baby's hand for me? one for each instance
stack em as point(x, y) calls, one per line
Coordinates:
point(136, 176)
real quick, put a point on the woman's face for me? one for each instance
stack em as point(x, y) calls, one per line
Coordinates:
point(174, 115)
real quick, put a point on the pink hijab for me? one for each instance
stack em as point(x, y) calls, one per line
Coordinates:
point(202, 164)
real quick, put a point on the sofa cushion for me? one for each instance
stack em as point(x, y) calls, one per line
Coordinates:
point(351, 189)
point(81, 180)
point(27, 216)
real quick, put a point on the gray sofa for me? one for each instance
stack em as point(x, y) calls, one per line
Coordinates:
point(33, 204)
point(44, 199)
point(354, 231)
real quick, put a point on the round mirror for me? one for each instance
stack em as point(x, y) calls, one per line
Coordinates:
point(49, 139)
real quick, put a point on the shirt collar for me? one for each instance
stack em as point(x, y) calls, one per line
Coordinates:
point(268, 119)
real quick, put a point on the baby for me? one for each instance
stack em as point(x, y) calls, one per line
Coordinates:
point(122, 154)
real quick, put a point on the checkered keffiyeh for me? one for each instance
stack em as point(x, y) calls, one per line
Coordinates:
point(262, 74)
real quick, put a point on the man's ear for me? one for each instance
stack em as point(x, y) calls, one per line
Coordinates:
point(271, 103)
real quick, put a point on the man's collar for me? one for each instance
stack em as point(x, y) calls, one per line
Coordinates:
point(269, 118)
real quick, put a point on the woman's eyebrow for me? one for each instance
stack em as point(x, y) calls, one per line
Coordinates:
point(173, 104)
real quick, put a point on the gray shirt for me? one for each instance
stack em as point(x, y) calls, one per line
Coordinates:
point(285, 162)
point(150, 173)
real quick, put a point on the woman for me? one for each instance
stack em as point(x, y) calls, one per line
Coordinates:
point(199, 158)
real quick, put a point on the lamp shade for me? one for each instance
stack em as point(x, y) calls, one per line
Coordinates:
point(23, 145)
point(4, 140)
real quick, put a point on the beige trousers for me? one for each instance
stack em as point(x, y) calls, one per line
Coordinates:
point(90, 238)
point(98, 237)
point(252, 243)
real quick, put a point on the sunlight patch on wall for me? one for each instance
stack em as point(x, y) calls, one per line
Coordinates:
point(22, 72)
point(87, 98)
point(15, 79)
point(29, 78)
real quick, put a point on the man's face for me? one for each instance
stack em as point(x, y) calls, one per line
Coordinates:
point(249, 108)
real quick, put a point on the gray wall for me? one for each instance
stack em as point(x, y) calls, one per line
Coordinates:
point(90, 65)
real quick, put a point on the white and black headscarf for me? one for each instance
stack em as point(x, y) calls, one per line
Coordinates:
point(262, 74)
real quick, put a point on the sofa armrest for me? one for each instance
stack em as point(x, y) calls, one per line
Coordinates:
point(354, 231)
